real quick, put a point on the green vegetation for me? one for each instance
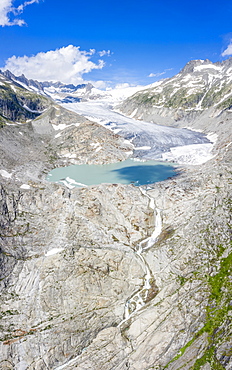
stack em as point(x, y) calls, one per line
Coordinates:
point(215, 94)
point(181, 99)
point(172, 97)
point(226, 104)
point(217, 313)
point(2, 122)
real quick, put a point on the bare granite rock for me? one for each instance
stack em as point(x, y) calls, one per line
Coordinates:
point(73, 261)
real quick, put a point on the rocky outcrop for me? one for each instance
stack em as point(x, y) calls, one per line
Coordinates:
point(84, 285)
point(18, 104)
point(70, 279)
point(69, 265)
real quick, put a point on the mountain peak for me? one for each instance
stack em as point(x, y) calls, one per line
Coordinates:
point(189, 67)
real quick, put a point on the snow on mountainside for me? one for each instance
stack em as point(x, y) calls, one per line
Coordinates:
point(56, 90)
point(150, 141)
point(69, 93)
point(19, 104)
point(200, 85)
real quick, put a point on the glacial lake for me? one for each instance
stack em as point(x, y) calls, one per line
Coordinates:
point(127, 172)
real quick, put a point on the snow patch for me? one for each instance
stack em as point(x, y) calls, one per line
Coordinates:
point(206, 66)
point(143, 148)
point(70, 155)
point(53, 251)
point(72, 181)
point(31, 110)
point(212, 137)
point(117, 130)
point(5, 174)
point(25, 186)
point(63, 126)
point(94, 145)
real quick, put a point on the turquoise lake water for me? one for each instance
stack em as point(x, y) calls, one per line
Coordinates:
point(126, 172)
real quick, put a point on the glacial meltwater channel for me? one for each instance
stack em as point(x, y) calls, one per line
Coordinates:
point(127, 172)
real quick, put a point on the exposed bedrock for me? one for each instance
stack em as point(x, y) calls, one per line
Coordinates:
point(71, 262)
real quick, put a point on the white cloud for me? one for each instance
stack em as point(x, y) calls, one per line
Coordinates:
point(7, 10)
point(100, 84)
point(160, 73)
point(156, 74)
point(66, 64)
point(104, 53)
point(228, 50)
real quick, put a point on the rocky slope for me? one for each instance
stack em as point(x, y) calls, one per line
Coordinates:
point(201, 91)
point(19, 104)
point(84, 285)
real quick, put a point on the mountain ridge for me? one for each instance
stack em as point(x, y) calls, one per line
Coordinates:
point(55, 89)
point(200, 69)
point(200, 85)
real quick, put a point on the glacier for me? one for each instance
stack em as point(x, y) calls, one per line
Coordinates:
point(150, 140)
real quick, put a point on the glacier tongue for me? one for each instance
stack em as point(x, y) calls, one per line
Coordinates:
point(150, 140)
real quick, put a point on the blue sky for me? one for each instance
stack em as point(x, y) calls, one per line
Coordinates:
point(153, 38)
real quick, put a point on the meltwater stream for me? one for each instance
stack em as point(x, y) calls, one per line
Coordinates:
point(140, 298)
point(126, 172)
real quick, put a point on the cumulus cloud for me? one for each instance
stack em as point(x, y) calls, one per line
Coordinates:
point(228, 50)
point(66, 64)
point(8, 11)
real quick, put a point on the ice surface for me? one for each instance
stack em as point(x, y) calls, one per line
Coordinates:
point(189, 154)
point(151, 141)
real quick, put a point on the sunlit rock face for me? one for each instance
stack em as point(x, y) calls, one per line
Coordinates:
point(112, 276)
point(65, 285)
point(71, 278)
point(69, 266)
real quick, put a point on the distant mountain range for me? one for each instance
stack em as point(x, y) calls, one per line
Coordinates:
point(62, 93)
point(200, 85)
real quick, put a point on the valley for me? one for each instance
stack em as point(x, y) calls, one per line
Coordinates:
point(116, 276)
